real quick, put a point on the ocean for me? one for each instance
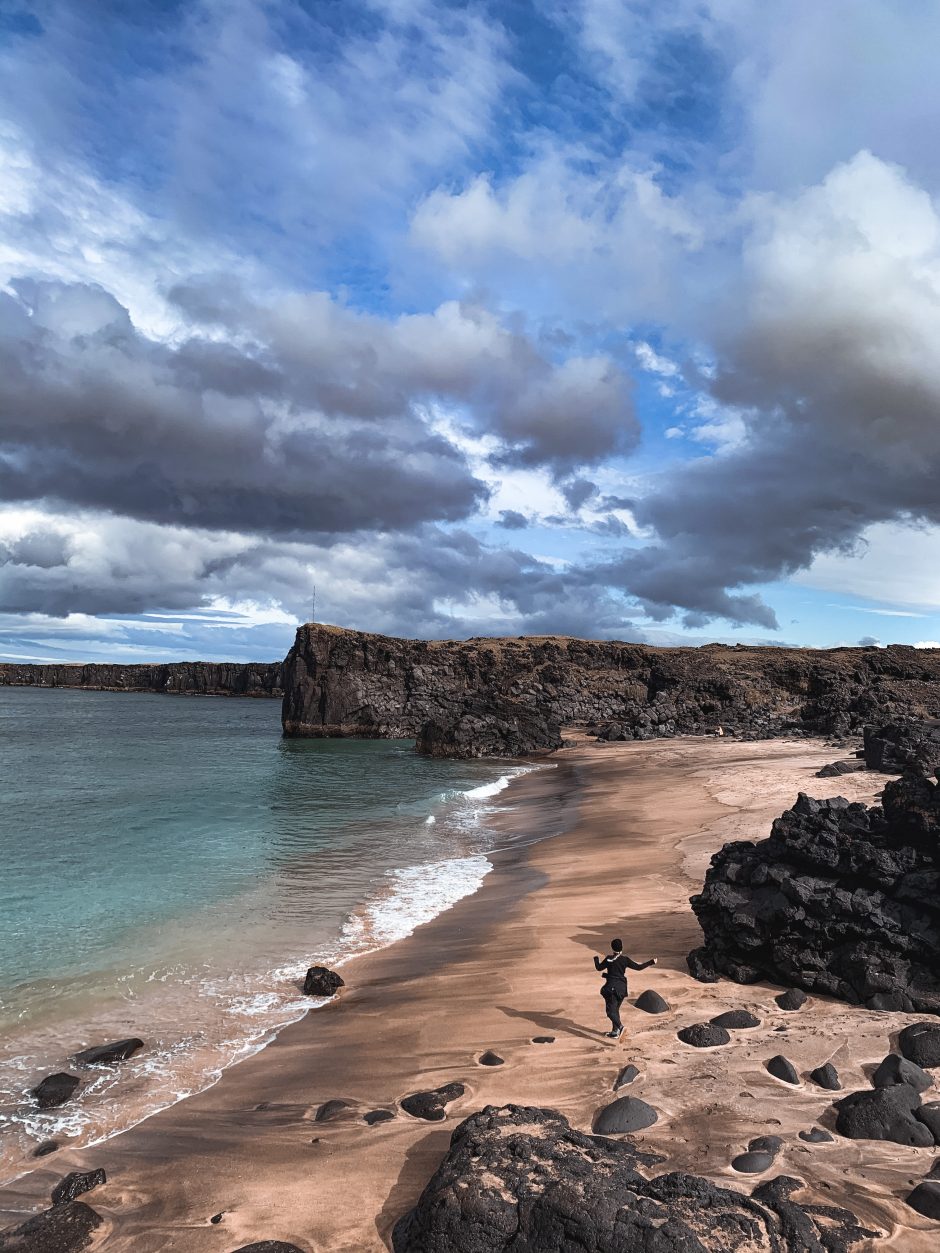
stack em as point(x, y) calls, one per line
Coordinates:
point(170, 866)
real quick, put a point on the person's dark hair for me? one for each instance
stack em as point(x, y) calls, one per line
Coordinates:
point(617, 946)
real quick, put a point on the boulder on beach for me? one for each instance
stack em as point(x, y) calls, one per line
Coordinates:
point(926, 1199)
point(651, 1002)
point(816, 1135)
point(704, 1035)
point(929, 1115)
point(791, 1000)
point(765, 1144)
point(752, 1163)
point(378, 1115)
point(735, 1020)
point(321, 981)
point(489, 1058)
point(107, 1054)
point(627, 1075)
point(330, 1110)
point(920, 1044)
point(839, 900)
point(895, 1069)
point(430, 1105)
point(76, 1184)
point(826, 1076)
point(625, 1115)
point(847, 765)
point(62, 1229)
point(268, 1246)
point(780, 1068)
point(883, 1114)
point(519, 1177)
point(55, 1090)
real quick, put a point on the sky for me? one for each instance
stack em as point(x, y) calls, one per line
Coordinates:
point(614, 318)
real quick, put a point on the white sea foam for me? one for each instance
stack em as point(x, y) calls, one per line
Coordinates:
point(413, 896)
point(486, 790)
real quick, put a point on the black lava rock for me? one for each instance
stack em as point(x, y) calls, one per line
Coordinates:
point(735, 1020)
point(891, 1003)
point(926, 1199)
point(895, 1069)
point(753, 1163)
point(929, 1115)
point(47, 1147)
point(920, 1043)
point(902, 746)
point(62, 1229)
point(780, 1068)
point(704, 1035)
point(519, 1179)
point(489, 1058)
point(55, 1090)
point(321, 981)
point(543, 1039)
point(765, 1144)
point(269, 1246)
point(652, 1003)
point(378, 1115)
point(816, 1135)
point(848, 765)
point(107, 1054)
point(826, 1077)
point(431, 1105)
point(626, 1114)
point(792, 999)
point(627, 1075)
point(77, 1183)
point(883, 1114)
point(781, 909)
point(330, 1110)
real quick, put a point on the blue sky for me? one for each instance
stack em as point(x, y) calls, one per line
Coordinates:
point(599, 317)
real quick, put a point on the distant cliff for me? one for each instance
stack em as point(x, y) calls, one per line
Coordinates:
point(179, 678)
point(508, 696)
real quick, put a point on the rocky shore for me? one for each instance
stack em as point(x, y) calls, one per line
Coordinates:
point(504, 697)
point(177, 678)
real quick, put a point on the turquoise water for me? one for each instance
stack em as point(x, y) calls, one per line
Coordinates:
point(170, 868)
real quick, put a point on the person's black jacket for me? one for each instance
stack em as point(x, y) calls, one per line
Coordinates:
point(614, 969)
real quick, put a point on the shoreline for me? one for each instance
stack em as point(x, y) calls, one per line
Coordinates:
point(506, 963)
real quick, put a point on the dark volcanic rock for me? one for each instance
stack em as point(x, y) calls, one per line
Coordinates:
point(883, 1114)
point(816, 1135)
point(47, 1147)
point(321, 981)
point(753, 1163)
point(735, 1020)
point(826, 1077)
point(926, 1199)
point(765, 1144)
point(895, 1069)
point(543, 1039)
point(627, 1075)
point(189, 678)
point(489, 1058)
point(929, 1115)
point(849, 765)
point(498, 695)
point(891, 1003)
point(330, 1110)
point(920, 1043)
point(840, 900)
point(430, 1105)
point(902, 746)
point(704, 1035)
point(268, 1246)
point(625, 1115)
point(780, 1068)
point(651, 1002)
point(77, 1183)
point(62, 1229)
point(518, 1179)
point(378, 1115)
point(791, 1000)
point(55, 1090)
point(105, 1054)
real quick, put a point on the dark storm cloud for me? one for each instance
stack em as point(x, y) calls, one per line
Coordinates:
point(318, 421)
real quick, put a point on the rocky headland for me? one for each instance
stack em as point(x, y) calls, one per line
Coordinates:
point(505, 697)
point(177, 678)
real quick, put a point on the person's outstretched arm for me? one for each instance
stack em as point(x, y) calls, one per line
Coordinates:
point(600, 963)
point(638, 965)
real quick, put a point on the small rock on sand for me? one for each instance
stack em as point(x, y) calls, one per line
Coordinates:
point(430, 1105)
point(793, 999)
point(703, 1035)
point(62, 1229)
point(77, 1183)
point(268, 1246)
point(753, 1163)
point(929, 1115)
point(321, 981)
point(626, 1114)
point(47, 1147)
point(489, 1058)
point(735, 1020)
point(780, 1068)
point(651, 1002)
point(108, 1054)
point(816, 1135)
point(894, 1070)
point(377, 1115)
point(330, 1110)
point(926, 1199)
point(55, 1090)
point(920, 1043)
point(627, 1075)
point(543, 1039)
point(826, 1077)
point(765, 1144)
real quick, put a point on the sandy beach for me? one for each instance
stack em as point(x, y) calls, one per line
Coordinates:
point(509, 963)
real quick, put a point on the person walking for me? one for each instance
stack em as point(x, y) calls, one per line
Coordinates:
point(614, 988)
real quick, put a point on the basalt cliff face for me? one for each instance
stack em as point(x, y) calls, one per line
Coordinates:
point(483, 697)
point(179, 678)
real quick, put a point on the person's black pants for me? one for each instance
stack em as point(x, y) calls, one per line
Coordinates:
point(613, 999)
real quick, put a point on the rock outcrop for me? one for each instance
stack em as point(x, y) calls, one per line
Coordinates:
point(62, 1229)
point(108, 1054)
point(176, 678)
point(841, 899)
point(509, 696)
point(518, 1179)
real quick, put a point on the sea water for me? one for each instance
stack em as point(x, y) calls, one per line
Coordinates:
point(169, 867)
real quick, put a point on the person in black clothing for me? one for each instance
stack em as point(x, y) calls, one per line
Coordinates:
point(614, 987)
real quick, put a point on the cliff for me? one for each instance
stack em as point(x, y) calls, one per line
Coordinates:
point(179, 678)
point(505, 696)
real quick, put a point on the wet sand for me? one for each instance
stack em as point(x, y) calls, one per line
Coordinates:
point(509, 963)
